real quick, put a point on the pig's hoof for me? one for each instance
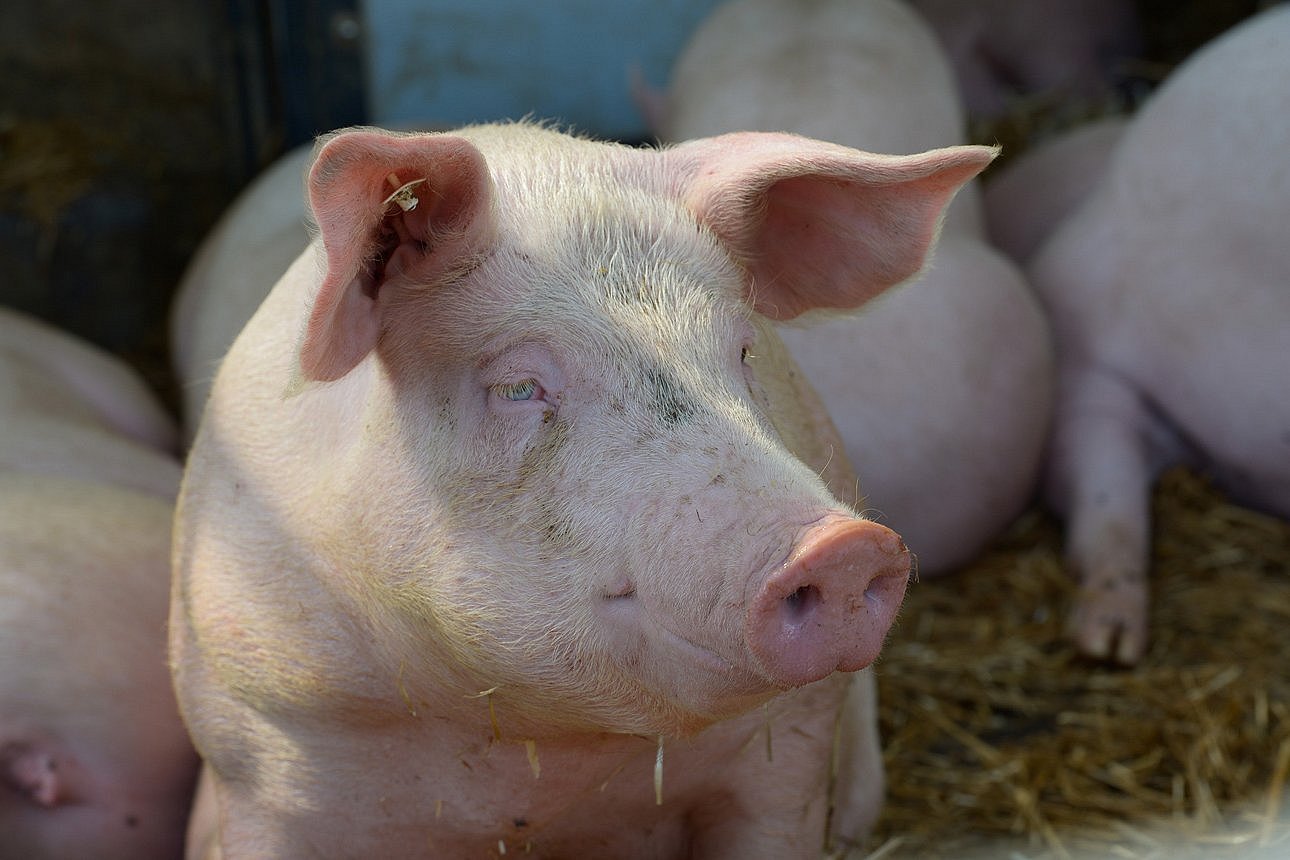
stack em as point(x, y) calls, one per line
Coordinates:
point(1111, 624)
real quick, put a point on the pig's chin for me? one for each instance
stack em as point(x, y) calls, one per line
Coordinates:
point(690, 683)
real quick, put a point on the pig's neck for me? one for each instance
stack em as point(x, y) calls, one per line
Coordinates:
point(426, 781)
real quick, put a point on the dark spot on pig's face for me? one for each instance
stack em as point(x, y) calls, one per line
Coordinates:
point(541, 455)
point(666, 398)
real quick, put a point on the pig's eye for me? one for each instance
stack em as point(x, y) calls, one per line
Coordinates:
point(526, 389)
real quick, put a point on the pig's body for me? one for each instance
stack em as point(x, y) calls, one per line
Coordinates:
point(71, 410)
point(1026, 201)
point(1170, 294)
point(467, 528)
point(252, 245)
point(94, 761)
point(941, 389)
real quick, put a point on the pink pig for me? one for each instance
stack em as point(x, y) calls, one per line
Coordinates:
point(1031, 196)
point(94, 761)
point(509, 525)
point(1169, 288)
point(941, 390)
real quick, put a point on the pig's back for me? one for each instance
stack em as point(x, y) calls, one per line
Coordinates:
point(816, 54)
point(1206, 157)
point(869, 75)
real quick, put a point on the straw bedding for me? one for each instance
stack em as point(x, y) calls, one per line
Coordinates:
point(1001, 741)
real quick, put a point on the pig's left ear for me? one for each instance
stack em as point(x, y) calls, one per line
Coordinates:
point(818, 225)
point(408, 207)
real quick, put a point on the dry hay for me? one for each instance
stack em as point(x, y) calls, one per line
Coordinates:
point(996, 733)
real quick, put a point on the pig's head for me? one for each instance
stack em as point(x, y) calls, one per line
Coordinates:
point(573, 474)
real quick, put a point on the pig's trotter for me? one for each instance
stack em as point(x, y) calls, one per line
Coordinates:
point(1109, 618)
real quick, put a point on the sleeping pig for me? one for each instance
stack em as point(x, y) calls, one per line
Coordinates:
point(1169, 289)
point(94, 761)
point(510, 526)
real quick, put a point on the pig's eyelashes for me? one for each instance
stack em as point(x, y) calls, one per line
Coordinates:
point(525, 389)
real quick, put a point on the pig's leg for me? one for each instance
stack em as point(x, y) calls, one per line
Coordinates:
point(1107, 447)
point(776, 788)
point(859, 784)
point(203, 823)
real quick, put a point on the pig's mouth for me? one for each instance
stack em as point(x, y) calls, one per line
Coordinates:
point(709, 659)
point(675, 654)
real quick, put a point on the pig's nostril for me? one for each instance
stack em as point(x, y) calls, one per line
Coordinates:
point(886, 588)
point(801, 602)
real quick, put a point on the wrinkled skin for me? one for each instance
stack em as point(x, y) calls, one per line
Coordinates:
point(94, 761)
point(1170, 298)
point(942, 389)
point(494, 496)
point(1004, 51)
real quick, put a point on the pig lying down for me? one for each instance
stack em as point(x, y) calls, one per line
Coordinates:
point(94, 761)
point(1169, 290)
point(510, 525)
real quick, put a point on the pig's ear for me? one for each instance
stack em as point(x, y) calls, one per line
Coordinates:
point(818, 225)
point(415, 208)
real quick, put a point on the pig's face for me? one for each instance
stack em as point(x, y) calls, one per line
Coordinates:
point(608, 488)
point(570, 489)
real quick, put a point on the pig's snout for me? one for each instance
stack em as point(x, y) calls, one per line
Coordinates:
point(830, 605)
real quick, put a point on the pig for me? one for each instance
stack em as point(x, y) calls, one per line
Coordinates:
point(509, 525)
point(72, 410)
point(94, 760)
point(266, 230)
point(1026, 201)
point(1169, 292)
point(941, 389)
point(1054, 50)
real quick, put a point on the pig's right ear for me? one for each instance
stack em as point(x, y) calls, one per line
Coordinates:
point(410, 207)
